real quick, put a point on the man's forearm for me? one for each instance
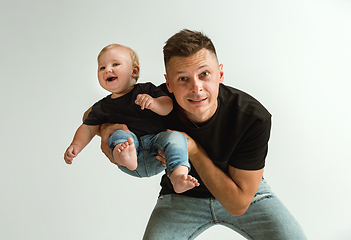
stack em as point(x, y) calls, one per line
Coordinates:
point(218, 183)
point(232, 197)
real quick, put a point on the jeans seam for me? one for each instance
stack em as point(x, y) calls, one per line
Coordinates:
point(199, 228)
point(147, 167)
point(230, 224)
point(214, 217)
point(213, 222)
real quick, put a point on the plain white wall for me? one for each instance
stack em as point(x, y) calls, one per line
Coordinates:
point(293, 56)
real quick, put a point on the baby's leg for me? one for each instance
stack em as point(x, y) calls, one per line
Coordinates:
point(125, 154)
point(181, 180)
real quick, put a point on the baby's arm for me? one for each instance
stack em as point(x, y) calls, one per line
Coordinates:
point(83, 136)
point(162, 105)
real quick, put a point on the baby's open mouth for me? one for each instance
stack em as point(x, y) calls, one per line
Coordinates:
point(111, 79)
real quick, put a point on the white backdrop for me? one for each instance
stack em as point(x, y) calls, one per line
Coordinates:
point(293, 56)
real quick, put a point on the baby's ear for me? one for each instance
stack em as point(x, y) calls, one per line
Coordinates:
point(136, 70)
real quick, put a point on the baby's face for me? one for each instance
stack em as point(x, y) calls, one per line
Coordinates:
point(115, 71)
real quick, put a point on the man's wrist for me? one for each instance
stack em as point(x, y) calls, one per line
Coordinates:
point(195, 152)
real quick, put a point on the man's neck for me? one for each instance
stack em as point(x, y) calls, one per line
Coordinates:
point(195, 120)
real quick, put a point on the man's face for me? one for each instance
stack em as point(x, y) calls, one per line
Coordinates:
point(194, 81)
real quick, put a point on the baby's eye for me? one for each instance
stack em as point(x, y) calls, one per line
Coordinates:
point(115, 64)
point(102, 68)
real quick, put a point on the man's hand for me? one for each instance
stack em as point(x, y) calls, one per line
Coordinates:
point(193, 149)
point(161, 157)
point(106, 130)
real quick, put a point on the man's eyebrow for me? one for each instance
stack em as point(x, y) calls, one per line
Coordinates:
point(201, 67)
point(180, 72)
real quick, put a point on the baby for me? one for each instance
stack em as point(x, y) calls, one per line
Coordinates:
point(141, 107)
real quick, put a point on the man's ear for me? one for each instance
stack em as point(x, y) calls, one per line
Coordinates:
point(135, 71)
point(167, 84)
point(221, 73)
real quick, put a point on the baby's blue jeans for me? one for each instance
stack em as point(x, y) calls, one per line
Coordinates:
point(173, 144)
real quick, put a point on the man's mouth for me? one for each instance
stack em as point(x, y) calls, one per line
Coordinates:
point(111, 79)
point(197, 100)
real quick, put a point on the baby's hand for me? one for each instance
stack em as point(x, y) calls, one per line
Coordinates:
point(71, 152)
point(144, 101)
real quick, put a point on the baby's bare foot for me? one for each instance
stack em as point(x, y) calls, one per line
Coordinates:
point(184, 183)
point(125, 154)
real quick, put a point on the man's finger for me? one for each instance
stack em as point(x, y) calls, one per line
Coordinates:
point(161, 153)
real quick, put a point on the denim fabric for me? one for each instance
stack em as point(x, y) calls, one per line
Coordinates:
point(173, 144)
point(183, 218)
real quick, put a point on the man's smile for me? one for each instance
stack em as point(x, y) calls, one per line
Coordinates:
point(197, 100)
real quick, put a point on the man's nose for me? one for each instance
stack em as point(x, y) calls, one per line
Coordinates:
point(196, 85)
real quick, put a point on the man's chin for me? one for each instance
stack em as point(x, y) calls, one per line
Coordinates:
point(194, 110)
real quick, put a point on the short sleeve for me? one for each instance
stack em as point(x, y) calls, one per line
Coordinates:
point(95, 117)
point(252, 149)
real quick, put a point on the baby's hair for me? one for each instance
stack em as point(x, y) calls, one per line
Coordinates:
point(133, 55)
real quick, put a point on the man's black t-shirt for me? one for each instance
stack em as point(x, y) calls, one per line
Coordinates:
point(123, 110)
point(236, 135)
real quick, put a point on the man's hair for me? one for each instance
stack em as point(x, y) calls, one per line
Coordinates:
point(134, 57)
point(186, 43)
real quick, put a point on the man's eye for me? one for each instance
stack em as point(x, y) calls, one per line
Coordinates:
point(204, 74)
point(182, 79)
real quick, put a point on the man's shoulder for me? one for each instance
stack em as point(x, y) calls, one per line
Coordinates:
point(231, 92)
point(238, 101)
point(163, 87)
point(149, 86)
point(145, 84)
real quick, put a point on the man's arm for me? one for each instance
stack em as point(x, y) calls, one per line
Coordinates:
point(236, 191)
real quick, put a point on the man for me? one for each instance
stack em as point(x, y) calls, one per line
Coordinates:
point(227, 132)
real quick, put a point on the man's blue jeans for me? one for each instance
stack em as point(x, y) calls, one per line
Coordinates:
point(173, 144)
point(183, 218)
